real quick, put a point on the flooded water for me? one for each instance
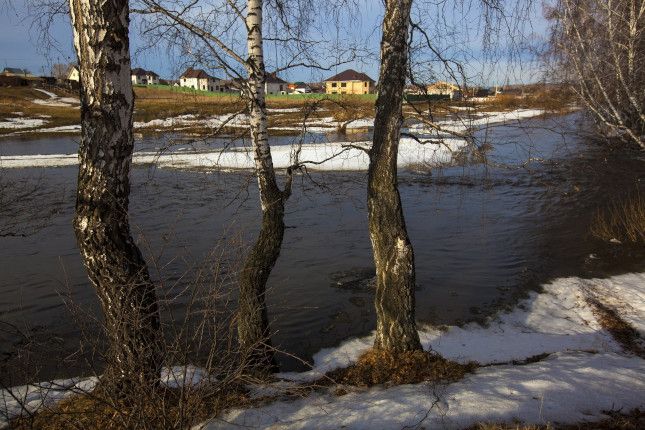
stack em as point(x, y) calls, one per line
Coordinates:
point(483, 235)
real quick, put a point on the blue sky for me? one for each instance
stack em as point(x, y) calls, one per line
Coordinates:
point(21, 45)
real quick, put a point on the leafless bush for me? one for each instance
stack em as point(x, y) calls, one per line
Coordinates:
point(623, 220)
point(204, 368)
point(597, 47)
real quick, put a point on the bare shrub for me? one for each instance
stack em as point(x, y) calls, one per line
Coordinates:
point(204, 370)
point(623, 220)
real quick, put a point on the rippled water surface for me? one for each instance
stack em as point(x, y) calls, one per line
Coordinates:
point(482, 235)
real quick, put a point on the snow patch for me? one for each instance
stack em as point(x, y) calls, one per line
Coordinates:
point(20, 123)
point(558, 319)
point(336, 156)
point(566, 388)
point(55, 100)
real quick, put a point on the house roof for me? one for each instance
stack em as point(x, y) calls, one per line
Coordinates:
point(443, 85)
point(195, 73)
point(16, 71)
point(143, 72)
point(350, 75)
point(272, 78)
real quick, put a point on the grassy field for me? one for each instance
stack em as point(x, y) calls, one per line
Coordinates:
point(18, 101)
point(162, 101)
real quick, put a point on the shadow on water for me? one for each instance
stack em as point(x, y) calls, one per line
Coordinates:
point(483, 235)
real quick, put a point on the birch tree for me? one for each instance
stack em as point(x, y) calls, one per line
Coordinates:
point(211, 32)
point(114, 264)
point(599, 49)
point(393, 254)
point(253, 323)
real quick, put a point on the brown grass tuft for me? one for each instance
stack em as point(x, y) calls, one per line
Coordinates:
point(622, 220)
point(382, 367)
point(626, 335)
point(162, 408)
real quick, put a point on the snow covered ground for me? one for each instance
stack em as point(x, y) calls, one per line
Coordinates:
point(55, 100)
point(587, 371)
point(332, 156)
point(335, 156)
point(20, 123)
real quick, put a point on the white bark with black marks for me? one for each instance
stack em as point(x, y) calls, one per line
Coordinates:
point(253, 324)
point(114, 264)
point(393, 254)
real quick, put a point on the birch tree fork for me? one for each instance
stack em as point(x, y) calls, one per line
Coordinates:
point(253, 323)
point(393, 254)
point(114, 264)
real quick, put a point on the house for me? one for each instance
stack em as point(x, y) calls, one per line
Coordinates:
point(299, 88)
point(275, 85)
point(73, 74)
point(144, 77)
point(350, 82)
point(198, 79)
point(12, 71)
point(442, 88)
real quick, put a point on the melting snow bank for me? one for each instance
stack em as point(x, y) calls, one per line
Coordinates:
point(586, 373)
point(55, 100)
point(563, 388)
point(30, 398)
point(328, 156)
point(18, 123)
point(558, 319)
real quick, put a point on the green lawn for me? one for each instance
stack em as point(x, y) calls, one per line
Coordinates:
point(312, 96)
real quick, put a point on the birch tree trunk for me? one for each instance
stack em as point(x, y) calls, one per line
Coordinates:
point(253, 324)
point(393, 255)
point(114, 264)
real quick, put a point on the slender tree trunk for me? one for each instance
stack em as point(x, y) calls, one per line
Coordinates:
point(393, 255)
point(253, 325)
point(115, 265)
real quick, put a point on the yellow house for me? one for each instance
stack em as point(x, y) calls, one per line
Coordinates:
point(350, 82)
point(442, 88)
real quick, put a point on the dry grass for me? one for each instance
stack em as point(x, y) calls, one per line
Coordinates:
point(19, 99)
point(623, 220)
point(551, 100)
point(626, 335)
point(377, 367)
point(163, 408)
point(166, 102)
point(634, 420)
point(155, 103)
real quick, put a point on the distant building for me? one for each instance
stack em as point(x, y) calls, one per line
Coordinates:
point(350, 82)
point(416, 90)
point(299, 88)
point(73, 74)
point(275, 85)
point(442, 88)
point(198, 79)
point(12, 71)
point(141, 76)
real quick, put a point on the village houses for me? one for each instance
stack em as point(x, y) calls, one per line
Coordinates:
point(275, 85)
point(350, 82)
point(144, 77)
point(198, 79)
point(442, 88)
point(73, 74)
